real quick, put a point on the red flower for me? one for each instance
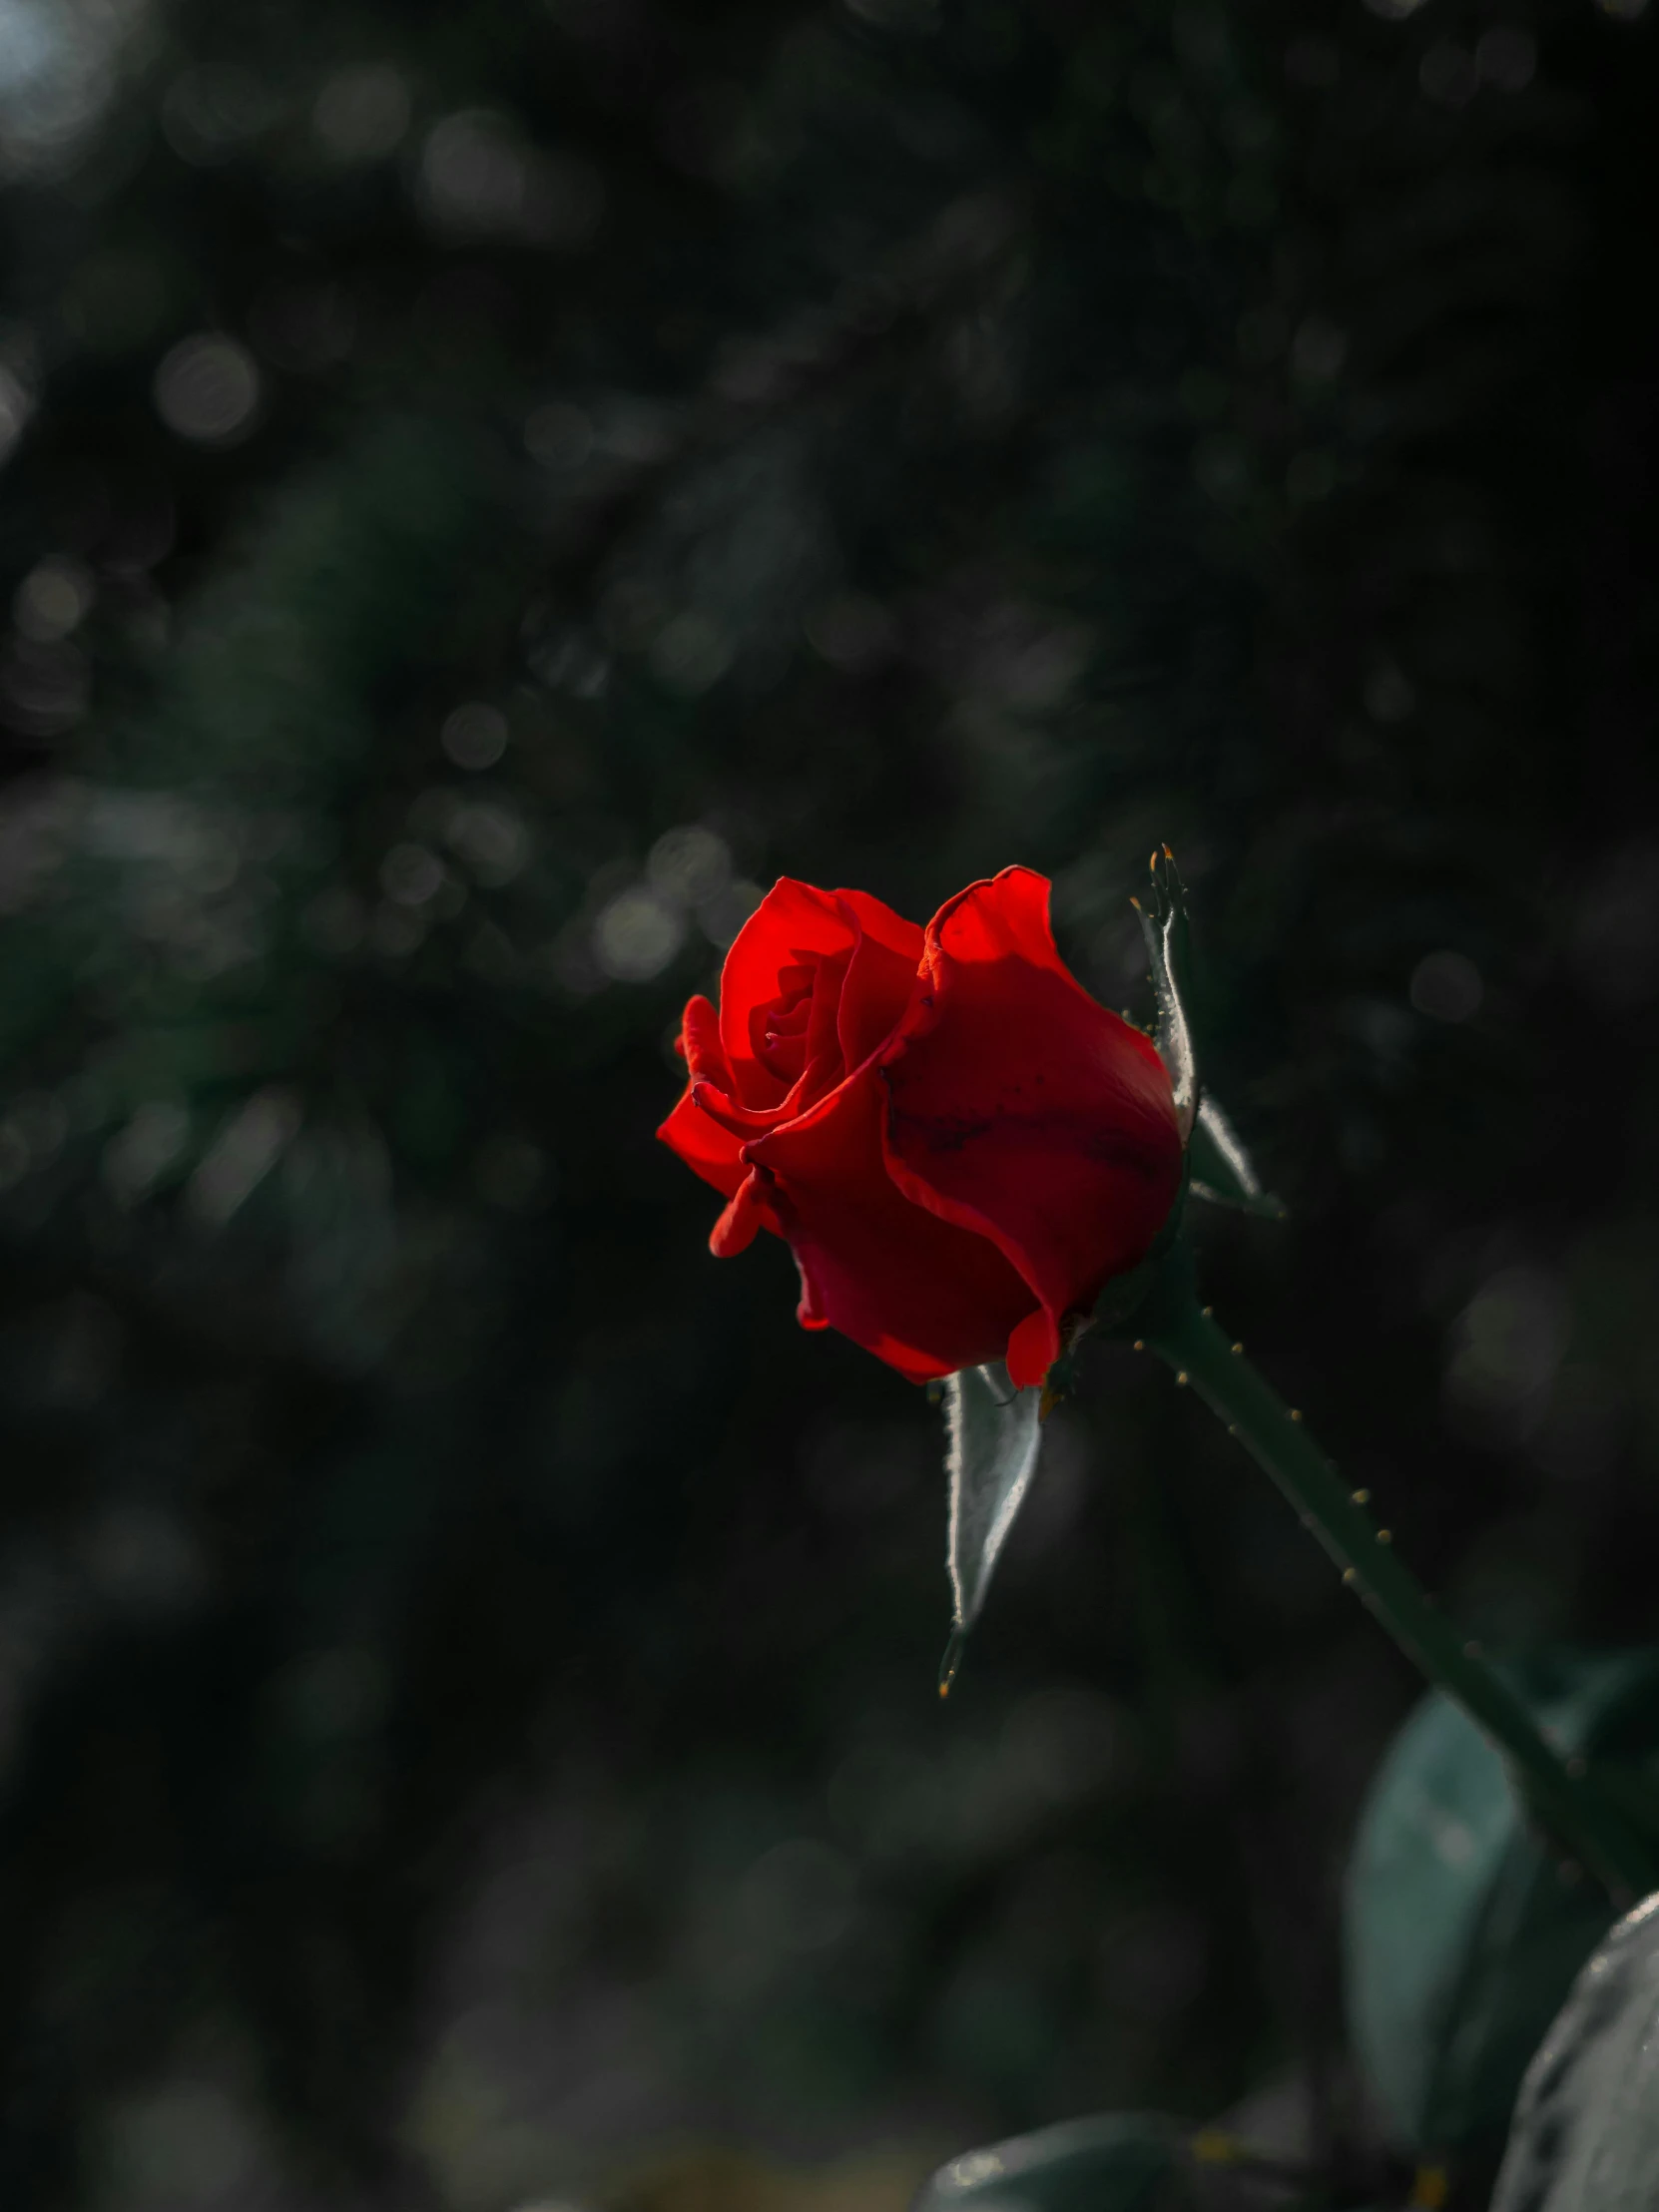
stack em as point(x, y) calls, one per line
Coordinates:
point(960, 1145)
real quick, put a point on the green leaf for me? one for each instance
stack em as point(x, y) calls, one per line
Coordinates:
point(1586, 2133)
point(994, 1433)
point(1221, 1167)
point(1113, 2163)
point(1463, 1929)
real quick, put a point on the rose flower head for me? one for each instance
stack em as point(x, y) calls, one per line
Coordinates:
point(960, 1145)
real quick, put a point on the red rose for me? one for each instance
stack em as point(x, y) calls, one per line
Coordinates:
point(958, 1143)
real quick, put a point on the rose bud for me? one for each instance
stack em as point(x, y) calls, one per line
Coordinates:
point(958, 1143)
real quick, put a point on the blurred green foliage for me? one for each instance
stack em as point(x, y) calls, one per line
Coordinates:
point(1585, 2132)
point(1465, 1926)
point(1124, 2163)
point(484, 490)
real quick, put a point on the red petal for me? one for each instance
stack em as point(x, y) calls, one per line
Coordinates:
point(822, 1042)
point(748, 1211)
point(881, 976)
point(1026, 1111)
point(919, 1291)
point(745, 1122)
point(792, 921)
point(876, 920)
point(1032, 1349)
point(706, 1149)
point(698, 1041)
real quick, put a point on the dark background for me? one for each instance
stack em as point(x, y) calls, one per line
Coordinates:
point(467, 1726)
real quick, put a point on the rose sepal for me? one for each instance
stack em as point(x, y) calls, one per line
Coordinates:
point(1168, 934)
point(1221, 1169)
point(995, 1434)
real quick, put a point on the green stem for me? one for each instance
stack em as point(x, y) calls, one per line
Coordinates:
point(1560, 1791)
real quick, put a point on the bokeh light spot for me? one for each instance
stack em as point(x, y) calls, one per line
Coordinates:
point(207, 389)
point(477, 177)
point(689, 866)
point(52, 600)
point(412, 874)
point(56, 72)
point(691, 652)
point(491, 839)
point(475, 734)
point(725, 914)
point(635, 936)
point(242, 1153)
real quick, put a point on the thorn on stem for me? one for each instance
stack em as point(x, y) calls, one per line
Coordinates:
point(1385, 1535)
point(1361, 1497)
